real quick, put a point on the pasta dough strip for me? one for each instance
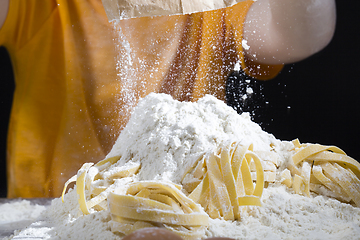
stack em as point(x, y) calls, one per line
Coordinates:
point(130, 211)
point(111, 160)
point(221, 192)
point(157, 215)
point(311, 150)
point(343, 160)
point(71, 180)
point(97, 189)
point(343, 181)
point(138, 202)
point(218, 189)
point(259, 187)
point(333, 186)
point(229, 180)
point(171, 188)
point(341, 172)
point(80, 187)
point(305, 174)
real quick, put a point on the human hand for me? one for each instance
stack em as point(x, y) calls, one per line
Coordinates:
point(4, 6)
point(286, 31)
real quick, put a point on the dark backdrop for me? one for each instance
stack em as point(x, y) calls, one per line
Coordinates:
point(7, 86)
point(315, 100)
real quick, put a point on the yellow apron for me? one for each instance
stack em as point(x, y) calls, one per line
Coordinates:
point(73, 95)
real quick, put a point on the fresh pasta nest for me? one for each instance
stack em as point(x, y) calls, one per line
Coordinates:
point(157, 204)
point(225, 181)
point(324, 170)
point(221, 184)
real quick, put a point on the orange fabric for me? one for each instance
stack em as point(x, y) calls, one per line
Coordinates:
point(76, 79)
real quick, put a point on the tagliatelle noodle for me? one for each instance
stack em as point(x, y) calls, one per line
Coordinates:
point(305, 174)
point(156, 207)
point(246, 176)
point(201, 193)
point(222, 202)
point(259, 187)
point(297, 184)
point(80, 187)
point(330, 168)
point(330, 184)
point(229, 179)
point(227, 184)
point(165, 188)
point(190, 181)
point(111, 160)
point(71, 180)
point(236, 160)
point(157, 215)
point(286, 177)
point(340, 176)
point(90, 181)
point(341, 159)
point(312, 149)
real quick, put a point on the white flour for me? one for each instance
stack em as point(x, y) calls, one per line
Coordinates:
point(18, 214)
point(20, 210)
point(167, 137)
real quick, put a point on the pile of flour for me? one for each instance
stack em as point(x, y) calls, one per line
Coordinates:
point(167, 137)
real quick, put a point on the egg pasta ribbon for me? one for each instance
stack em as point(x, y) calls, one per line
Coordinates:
point(226, 183)
point(325, 170)
point(154, 203)
point(94, 183)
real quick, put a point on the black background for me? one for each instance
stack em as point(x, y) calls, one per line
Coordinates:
point(316, 100)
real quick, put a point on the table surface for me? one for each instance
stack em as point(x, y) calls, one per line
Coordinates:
point(8, 228)
point(39, 201)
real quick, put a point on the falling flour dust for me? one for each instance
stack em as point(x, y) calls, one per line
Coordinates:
point(167, 137)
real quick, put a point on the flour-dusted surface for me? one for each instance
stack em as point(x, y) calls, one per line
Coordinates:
point(290, 216)
point(167, 137)
point(283, 216)
point(17, 214)
point(19, 210)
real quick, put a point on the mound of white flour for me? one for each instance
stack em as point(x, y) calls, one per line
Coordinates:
point(167, 137)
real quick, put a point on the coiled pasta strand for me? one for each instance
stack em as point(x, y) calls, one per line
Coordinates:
point(226, 183)
point(150, 203)
point(90, 181)
point(316, 167)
